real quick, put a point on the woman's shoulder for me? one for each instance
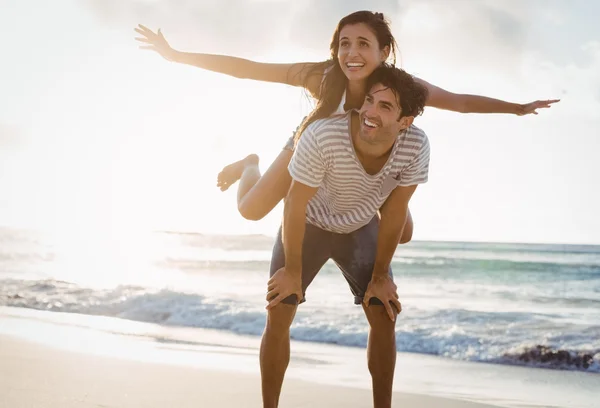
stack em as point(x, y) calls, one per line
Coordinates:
point(316, 77)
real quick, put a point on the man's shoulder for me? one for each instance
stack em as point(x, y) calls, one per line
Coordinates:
point(415, 138)
point(332, 125)
point(417, 133)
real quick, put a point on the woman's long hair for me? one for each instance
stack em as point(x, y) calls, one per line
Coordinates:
point(334, 80)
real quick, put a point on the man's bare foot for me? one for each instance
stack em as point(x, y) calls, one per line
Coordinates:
point(233, 172)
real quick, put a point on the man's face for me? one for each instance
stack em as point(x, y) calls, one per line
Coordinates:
point(380, 116)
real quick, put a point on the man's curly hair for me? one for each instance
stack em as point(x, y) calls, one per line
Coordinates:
point(410, 94)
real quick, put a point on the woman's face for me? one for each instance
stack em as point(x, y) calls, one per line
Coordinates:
point(359, 53)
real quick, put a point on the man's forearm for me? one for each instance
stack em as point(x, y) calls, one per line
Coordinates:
point(390, 231)
point(294, 226)
point(483, 104)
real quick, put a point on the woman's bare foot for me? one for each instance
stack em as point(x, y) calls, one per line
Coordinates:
point(233, 172)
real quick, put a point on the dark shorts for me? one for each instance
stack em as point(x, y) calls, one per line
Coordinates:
point(353, 253)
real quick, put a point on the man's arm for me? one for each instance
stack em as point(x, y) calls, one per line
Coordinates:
point(288, 280)
point(307, 169)
point(393, 217)
point(294, 223)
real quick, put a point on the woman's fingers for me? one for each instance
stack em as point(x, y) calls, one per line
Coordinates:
point(144, 33)
point(144, 28)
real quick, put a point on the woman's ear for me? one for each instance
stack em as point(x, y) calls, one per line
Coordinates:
point(384, 53)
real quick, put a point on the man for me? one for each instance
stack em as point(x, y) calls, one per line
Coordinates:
point(345, 169)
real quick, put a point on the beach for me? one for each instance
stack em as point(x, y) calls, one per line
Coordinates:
point(66, 360)
point(508, 325)
point(136, 240)
point(35, 375)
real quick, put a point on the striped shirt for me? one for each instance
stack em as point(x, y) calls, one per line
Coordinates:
point(348, 197)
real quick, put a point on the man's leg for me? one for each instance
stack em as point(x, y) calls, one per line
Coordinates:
point(275, 352)
point(355, 254)
point(275, 344)
point(381, 354)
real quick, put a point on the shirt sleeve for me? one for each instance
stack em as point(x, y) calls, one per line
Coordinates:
point(307, 165)
point(417, 171)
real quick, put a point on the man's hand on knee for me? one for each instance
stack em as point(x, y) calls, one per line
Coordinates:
point(284, 283)
point(384, 289)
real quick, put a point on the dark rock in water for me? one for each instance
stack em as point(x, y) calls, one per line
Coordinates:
point(15, 296)
point(562, 358)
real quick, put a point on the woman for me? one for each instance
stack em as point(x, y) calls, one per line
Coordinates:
point(361, 42)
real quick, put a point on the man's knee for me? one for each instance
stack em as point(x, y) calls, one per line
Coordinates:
point(279, 318)
point(378, 317)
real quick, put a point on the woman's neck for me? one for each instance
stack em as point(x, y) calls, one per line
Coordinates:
point(355, 94)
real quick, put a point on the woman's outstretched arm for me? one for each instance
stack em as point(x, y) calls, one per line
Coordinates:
point(295, 74)
point(464, 103)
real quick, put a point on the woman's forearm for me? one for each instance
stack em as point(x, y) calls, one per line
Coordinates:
point(466, 103)
point(224, 64)
point(290, 74)
point(483, 104)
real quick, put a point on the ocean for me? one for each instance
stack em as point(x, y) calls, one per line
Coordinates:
point(515, 304)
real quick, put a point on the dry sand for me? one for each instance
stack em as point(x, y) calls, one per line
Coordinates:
point(34, 375)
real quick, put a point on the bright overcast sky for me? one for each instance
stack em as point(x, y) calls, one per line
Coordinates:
point(95, 133)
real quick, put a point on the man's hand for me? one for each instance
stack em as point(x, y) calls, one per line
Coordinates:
point(384, 289)
point(155, 42)
point(283, 284)
point(532, 107)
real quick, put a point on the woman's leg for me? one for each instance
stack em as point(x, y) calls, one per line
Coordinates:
point(257, 195)
point(408, 229)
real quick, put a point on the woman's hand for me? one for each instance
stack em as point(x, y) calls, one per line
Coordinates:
point(531, 107)
point(155, 42)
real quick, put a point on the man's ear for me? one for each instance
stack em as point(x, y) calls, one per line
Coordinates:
point(406, 121)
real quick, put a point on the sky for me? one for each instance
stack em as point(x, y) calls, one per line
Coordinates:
point(96, 134)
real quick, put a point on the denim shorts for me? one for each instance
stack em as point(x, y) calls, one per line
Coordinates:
point(353, 253)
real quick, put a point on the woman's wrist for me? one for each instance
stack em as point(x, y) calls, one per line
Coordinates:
point(176, 56)
point(518, 109)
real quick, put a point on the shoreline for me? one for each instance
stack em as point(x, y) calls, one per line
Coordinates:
point(34, 374)
point(324, 365)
